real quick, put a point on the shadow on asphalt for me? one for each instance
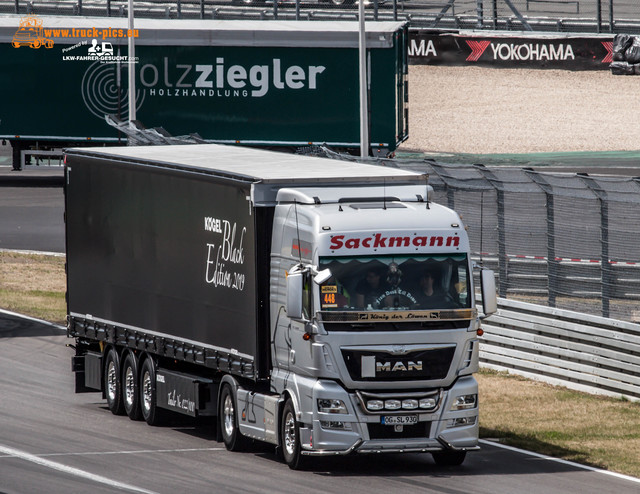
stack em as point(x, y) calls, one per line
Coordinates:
point(12, 326)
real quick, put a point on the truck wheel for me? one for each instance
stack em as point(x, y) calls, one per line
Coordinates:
point(112, 382)
point(148, 408)
point(449, 458)
point(290, 437)
point(231, 435)
point(130, 389)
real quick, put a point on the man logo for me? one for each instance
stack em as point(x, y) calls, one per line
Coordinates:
point(399, 366)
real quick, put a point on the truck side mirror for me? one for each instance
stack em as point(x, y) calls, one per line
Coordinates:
point(294, 294)
point(488, 289)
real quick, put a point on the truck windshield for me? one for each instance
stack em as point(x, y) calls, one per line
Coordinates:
point(421, 282)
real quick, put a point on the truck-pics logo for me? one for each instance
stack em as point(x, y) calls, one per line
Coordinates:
point(31, 34)
point(230, 250)
point(227, 80)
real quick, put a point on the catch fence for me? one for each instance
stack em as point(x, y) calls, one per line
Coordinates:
point(569, 241)
point(574, 16)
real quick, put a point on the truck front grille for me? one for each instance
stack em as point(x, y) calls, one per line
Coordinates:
point(430, 364)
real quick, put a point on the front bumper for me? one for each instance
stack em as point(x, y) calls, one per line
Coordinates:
point(359, 432)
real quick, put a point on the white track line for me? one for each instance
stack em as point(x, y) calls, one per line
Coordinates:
point(564, 462)
point(15, 453)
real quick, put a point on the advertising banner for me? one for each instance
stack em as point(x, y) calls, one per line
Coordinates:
point(511, 50)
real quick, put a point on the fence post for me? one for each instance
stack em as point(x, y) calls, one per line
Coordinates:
point(495, 15)
point(502, 234)
point(611, 21)
point(606, 275)
point(552, 262)
point(480, 14)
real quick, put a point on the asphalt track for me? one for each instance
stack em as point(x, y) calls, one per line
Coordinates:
point(55, 441)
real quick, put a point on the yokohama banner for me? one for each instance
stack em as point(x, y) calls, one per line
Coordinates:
point(512, 51)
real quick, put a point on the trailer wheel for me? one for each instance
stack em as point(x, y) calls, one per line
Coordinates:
point(148, 408)
point(112, 382)
point(228, 421)
point(130, 388)
point(449, 458)
point(290, 437)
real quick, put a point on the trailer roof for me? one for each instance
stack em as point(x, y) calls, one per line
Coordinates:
point(252, 165)
point(210, 32)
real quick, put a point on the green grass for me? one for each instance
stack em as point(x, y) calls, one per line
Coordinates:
point(594, 430)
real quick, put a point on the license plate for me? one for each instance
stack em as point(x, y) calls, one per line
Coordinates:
point(399, 419)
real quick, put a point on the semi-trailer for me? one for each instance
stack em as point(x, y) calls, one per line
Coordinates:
point(325, 307)
point(258, 83)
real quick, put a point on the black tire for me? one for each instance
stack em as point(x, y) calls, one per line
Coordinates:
point(228, 421)
point(290, 437)
point(130, 386)
point(449, 458)
point(113, 382)
point(149, 410)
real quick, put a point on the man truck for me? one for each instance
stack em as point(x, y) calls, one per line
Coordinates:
point(224, 282)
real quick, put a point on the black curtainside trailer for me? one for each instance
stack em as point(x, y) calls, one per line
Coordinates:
point(138, 234)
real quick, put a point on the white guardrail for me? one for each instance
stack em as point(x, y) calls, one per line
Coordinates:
point(560, 347)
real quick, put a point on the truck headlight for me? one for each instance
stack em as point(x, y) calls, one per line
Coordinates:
point(464, 402)
point(375, 405)
point(326, 405)
point(462, 421)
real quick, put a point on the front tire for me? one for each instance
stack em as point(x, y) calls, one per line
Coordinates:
point(113, 382)
point(290, 437)
point(228, 421)
point(130, 387)
point(449, 458)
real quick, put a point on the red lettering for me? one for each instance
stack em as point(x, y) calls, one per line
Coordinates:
point(420, 241)
point(380, 241)
point(399, 241)
point(436, 242)
point(352, 243)
point(336, 242)
point(367, 242)
point(453, 241)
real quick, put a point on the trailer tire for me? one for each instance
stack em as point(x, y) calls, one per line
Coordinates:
point(290, 437)
point(449, 458)
point(151, 413)
point(228, 421)
point(113, 382)
point(130, 387)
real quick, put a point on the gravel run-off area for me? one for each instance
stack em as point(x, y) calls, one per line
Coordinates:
point(487, 111)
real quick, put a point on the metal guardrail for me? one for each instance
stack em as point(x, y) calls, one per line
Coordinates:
point(571, 349)
point(576, 16)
